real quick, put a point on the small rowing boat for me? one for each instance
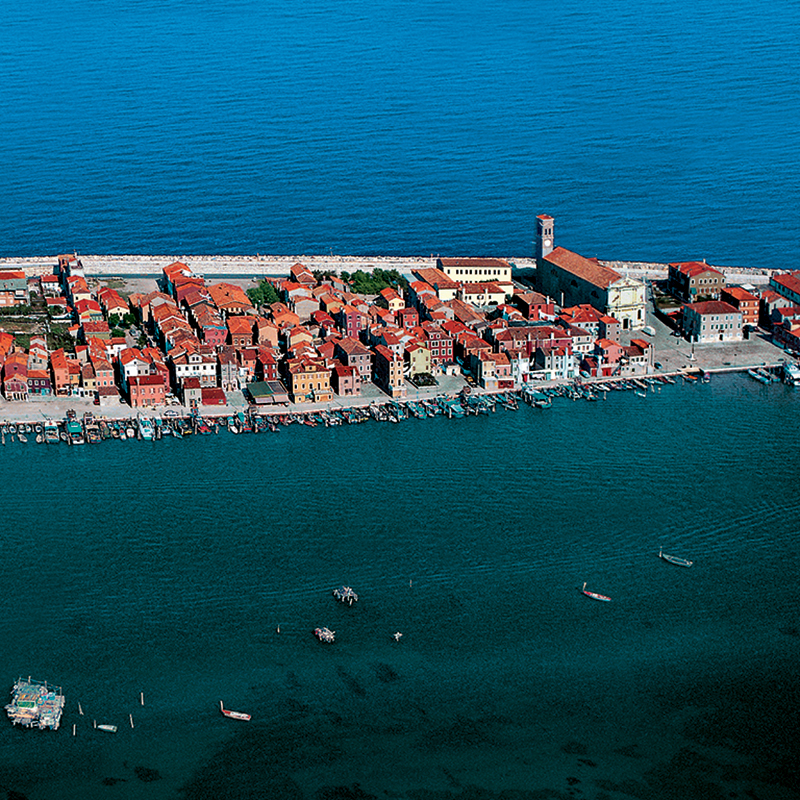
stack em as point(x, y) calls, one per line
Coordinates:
point(233, 714)
point(595, 596)
point(680, 562)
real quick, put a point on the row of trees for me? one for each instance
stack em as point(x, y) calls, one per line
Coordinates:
point(371, 283)
point(360, 282)
point(263, 294)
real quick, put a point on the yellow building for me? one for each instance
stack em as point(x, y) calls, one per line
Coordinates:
point(309, 381)
point(418, 360)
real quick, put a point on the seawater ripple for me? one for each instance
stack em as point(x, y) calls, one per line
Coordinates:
point(170, 567)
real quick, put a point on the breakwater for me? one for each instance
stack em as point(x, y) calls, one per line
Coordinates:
point(137, 266)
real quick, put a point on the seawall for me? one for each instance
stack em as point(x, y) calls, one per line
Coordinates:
point(259, 264)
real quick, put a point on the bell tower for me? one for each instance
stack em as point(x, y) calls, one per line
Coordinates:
point(544, 235)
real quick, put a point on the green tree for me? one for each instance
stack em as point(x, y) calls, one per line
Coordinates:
point(263, 294)
point(371, 283)
point(59, 337)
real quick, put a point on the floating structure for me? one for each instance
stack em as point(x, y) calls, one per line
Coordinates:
point(345, 594)
point(34, 704)
point(324, 634)
point(233, 714)
point(595, 596)
point(396, 636)
point(680, 562)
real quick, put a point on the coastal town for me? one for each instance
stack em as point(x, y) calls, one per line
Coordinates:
point(325, 339)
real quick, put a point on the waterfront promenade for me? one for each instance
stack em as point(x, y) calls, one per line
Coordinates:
point(673, 354)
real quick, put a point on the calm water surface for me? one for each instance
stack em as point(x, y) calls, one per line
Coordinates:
point(167, 568)
point(662, 131)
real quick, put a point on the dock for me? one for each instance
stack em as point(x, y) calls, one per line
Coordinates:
point(35, 704)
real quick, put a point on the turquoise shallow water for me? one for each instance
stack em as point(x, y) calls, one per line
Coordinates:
point(167, 567)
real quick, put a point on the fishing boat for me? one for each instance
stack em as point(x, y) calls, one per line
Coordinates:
point(233, 714)
point(107, 728)
point(74, 432)
point(324, 634)
point(51, 432)
point(595, 596)
point(755, 374)
point(345, 594)
point(680, 562)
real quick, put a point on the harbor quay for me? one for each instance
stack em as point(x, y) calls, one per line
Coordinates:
point(218, 337)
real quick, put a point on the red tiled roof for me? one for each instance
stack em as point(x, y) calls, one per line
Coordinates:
point(713, 307)
point(148, 380)
point(739, 293)
point(240, 325)
point(589, 269)
point(789, 280)
point(435, 277)
point(474, 262)
point(694, 268)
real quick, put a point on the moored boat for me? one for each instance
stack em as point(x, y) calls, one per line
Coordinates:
point(74, 432)
point(146, 430)
point(51, 432)
point(595, 595)
point(680, 562)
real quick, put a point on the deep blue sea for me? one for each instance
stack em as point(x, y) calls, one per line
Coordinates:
point(655, 131)
point(167, 568)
